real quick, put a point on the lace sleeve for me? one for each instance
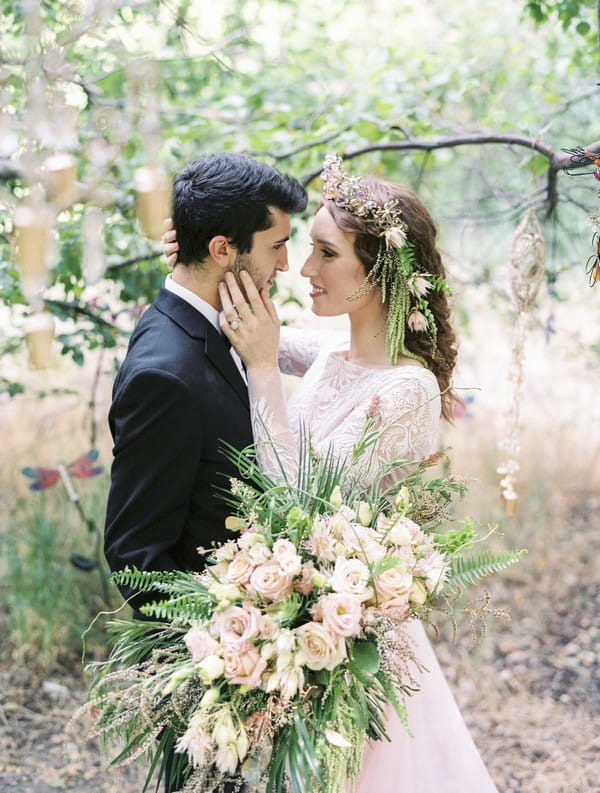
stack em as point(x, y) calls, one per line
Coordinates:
point(275, 444)
point(405, 416)
point(297, 349)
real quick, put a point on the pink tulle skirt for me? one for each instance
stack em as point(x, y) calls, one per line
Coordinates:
point(441, 757)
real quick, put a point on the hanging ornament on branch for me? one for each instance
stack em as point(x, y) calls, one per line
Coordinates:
point(68, 152)
point(526, 273)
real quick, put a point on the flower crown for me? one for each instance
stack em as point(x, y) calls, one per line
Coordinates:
point(353, 195)
point(396, 271)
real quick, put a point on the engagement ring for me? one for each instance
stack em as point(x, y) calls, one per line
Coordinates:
point(234, 324)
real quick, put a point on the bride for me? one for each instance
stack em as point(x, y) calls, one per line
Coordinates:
point(374, 258)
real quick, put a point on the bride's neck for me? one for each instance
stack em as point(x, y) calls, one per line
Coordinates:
point(367, 339)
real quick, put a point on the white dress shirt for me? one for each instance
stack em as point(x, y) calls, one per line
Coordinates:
point(208, 312)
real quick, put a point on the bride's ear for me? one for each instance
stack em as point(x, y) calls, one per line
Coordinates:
point(221, 251)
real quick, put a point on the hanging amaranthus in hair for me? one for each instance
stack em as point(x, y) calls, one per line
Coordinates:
point(396, 272)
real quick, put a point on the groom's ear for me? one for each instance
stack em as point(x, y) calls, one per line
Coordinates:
point(221, 251)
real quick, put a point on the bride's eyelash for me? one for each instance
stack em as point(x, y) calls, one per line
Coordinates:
point(324, 251)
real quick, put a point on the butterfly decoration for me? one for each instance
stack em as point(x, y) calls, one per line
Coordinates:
point(82, 468)
point(579, 159)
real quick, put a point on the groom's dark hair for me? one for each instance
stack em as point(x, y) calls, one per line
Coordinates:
point(228, 194)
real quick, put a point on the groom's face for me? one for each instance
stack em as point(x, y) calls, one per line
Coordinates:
point(268, 254)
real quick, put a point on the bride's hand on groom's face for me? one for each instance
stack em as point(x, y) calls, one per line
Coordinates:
point(250, 322)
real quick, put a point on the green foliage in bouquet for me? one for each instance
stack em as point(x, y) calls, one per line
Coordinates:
point(273, 666)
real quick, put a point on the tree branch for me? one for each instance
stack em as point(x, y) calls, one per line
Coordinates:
point(303, 146)
point(76, 308)
point(117, 266)
point(557, 160)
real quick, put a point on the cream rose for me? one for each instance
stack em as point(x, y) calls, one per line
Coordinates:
point(200, 643)
point(392, 589)
point(270, 582)
point(320, 648)
point(341, 614)
point(243, 667)
point(240, 568)
point(237, 625)
point(350, 576)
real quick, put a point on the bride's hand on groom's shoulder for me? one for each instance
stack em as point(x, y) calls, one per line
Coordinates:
point(249, 321)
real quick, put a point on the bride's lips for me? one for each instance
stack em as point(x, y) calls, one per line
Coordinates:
point(317, 291)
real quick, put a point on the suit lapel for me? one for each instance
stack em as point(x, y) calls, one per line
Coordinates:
point(198, 327)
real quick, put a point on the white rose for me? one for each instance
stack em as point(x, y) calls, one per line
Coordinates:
point(350, 576)
point(284, 553)
point(247, 540)
point(402, 532)
point(259, 553)
point(226, 552)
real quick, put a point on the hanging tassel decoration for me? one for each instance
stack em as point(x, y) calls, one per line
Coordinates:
point(526, 273)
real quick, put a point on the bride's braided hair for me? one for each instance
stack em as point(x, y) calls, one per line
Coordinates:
point(439, 351)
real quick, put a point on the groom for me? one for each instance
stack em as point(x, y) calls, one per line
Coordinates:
point(180, 391)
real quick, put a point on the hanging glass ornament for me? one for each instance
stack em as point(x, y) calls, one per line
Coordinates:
point(152, 200)
point(32, 226)
point(61, 179)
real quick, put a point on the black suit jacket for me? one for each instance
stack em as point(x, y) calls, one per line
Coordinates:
point(177, 395)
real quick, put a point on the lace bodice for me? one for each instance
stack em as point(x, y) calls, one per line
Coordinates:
point(332, 402)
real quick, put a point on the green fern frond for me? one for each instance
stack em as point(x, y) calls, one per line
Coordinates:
point(180, 610)
point(468, 570)
point(171, 582)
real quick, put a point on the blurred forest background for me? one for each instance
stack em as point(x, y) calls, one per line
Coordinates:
point(471, 104)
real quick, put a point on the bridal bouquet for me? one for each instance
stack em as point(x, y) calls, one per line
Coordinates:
point(273, 666)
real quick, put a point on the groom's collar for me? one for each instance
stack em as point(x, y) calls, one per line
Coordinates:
point(201, 305)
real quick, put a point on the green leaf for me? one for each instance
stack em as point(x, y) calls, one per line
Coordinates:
point(364, 656)
point(369, 130)
point(468, 570)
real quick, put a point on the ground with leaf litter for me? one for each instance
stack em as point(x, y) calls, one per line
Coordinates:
point(530, 691)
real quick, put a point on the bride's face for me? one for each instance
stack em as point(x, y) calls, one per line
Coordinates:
point(334, 270)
